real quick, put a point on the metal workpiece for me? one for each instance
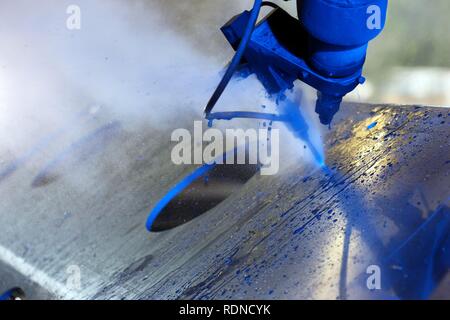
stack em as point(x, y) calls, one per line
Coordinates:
point(75, 228)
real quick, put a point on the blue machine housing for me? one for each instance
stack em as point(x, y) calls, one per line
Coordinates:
point(325, 48)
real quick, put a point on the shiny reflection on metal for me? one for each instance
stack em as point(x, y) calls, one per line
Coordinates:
point(197, 193)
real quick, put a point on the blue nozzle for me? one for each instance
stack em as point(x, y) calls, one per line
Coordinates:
point(327, 106)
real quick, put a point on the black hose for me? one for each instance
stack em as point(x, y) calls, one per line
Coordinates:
point(237, 57)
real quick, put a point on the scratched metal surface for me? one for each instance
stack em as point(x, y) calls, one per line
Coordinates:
point(304, 234)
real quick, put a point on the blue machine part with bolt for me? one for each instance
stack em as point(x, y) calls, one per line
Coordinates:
point(325, 48)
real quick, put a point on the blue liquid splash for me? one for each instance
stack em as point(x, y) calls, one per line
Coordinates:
point(290, 115)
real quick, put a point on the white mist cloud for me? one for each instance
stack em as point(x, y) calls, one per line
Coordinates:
point(146, 61)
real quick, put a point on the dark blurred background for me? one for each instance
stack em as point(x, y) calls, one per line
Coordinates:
point(410, 61)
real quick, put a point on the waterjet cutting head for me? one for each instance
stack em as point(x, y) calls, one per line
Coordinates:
point(325, 48)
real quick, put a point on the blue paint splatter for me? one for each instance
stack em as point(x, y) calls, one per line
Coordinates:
point(248, 280)
point(372, 125)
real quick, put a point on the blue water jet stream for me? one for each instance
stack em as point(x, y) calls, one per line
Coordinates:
point(290, 115)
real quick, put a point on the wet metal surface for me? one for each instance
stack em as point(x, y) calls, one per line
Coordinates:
point(304, 233)
point(203, 194)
